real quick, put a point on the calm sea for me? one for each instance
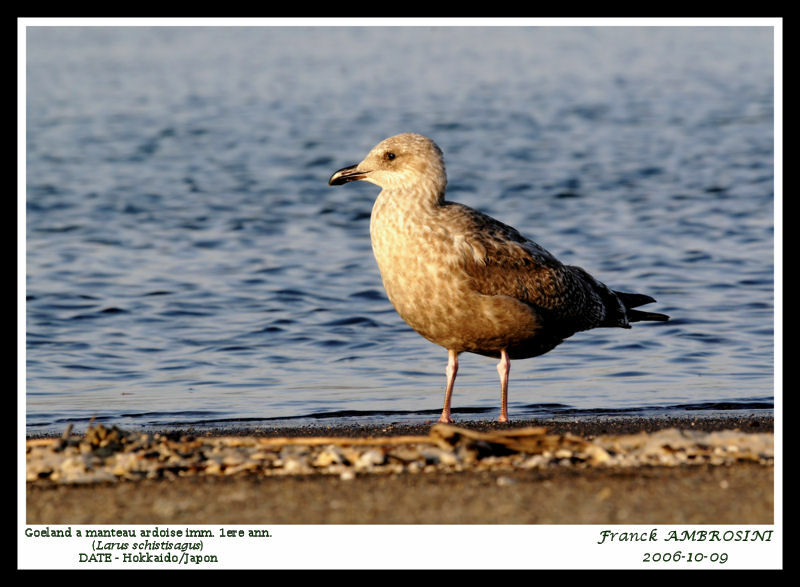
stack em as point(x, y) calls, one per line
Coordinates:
point(188, 265)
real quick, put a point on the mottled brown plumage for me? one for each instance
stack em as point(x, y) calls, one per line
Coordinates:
point(466, 281)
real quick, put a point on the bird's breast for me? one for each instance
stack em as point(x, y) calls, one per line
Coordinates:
point(421, 265)
point(416, 259)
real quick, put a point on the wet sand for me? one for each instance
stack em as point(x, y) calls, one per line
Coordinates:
point(742, 493)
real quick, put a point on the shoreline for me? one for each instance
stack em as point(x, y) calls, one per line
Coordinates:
point(495, 489)
point(586, 426)
point(760, 421)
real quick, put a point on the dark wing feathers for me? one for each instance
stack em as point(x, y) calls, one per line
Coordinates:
point(500, 261)
point(633, 300)
point(640, 316)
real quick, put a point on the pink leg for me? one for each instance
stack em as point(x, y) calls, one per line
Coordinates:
point(503, 367)
point(452, 369)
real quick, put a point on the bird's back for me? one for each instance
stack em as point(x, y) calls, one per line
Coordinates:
point(505, 263)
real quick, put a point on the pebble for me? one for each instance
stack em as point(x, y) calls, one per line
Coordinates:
point(329, 456)
point(370, 458)
point(112, 455)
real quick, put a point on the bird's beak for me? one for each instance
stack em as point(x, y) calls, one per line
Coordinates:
point(346, 174)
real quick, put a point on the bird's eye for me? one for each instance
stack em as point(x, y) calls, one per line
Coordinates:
point(390, 156)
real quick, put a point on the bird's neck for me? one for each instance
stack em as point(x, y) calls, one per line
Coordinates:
point(422, 195)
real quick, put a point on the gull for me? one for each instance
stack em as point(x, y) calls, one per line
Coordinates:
point(468, 282)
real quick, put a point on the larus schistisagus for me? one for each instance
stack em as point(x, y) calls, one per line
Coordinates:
point(466, 281)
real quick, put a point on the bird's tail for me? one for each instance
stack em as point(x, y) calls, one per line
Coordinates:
point(633, 300)
point(639, 316)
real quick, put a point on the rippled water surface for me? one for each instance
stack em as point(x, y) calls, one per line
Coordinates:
point(187, 263)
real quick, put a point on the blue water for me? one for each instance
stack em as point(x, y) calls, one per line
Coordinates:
point(187, 263)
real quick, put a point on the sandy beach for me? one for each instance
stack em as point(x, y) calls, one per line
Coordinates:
point(493, 489)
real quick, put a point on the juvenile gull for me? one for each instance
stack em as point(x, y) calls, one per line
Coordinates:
point(466, 281)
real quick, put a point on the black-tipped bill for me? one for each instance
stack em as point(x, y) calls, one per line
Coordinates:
point(346, 174)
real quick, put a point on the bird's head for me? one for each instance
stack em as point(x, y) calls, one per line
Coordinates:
point(406, 160)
